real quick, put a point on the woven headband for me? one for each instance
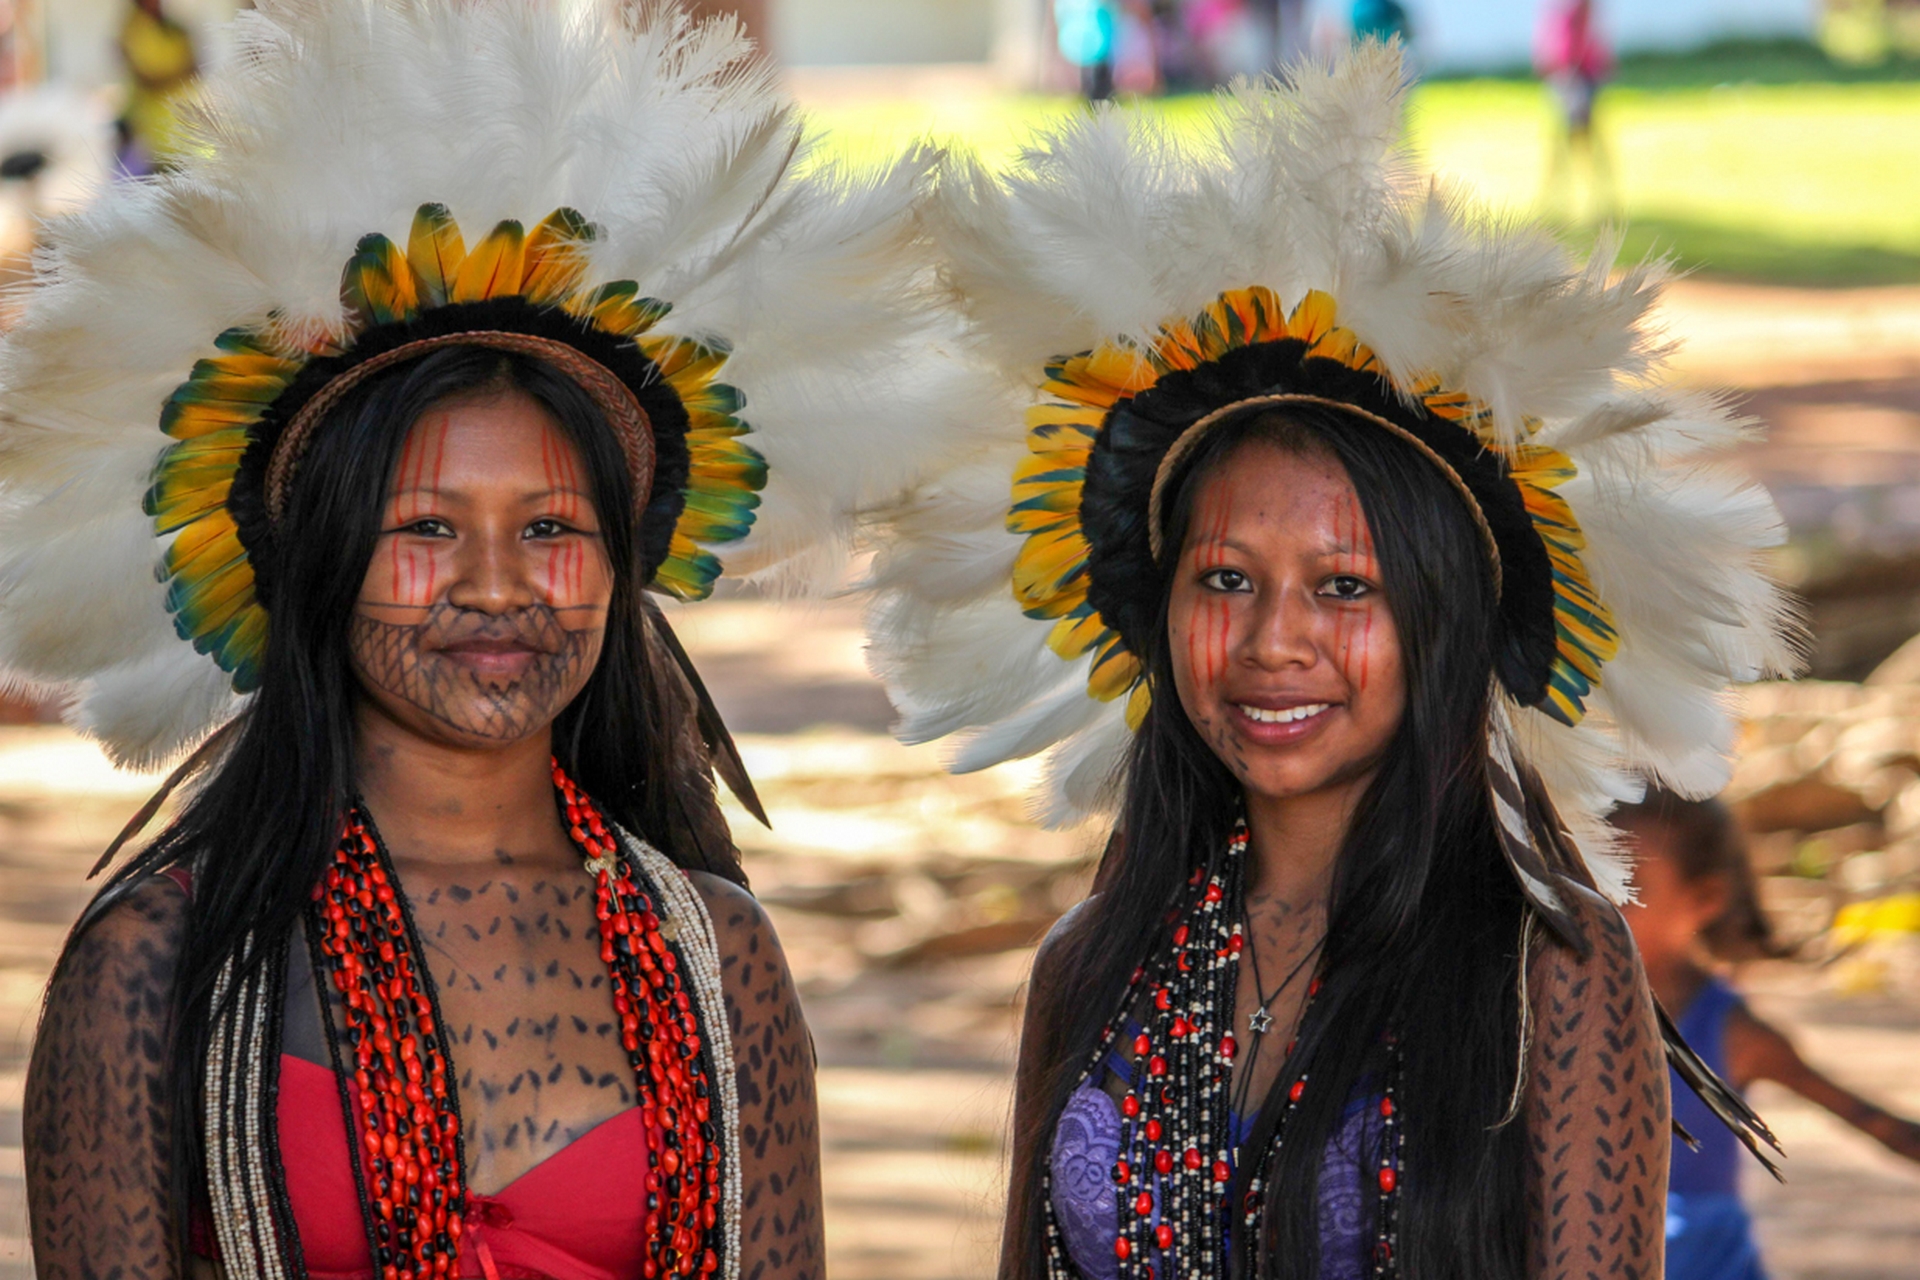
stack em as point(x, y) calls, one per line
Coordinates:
point(1192, 436)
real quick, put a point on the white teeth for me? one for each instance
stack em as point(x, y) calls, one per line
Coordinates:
point(1263, 716)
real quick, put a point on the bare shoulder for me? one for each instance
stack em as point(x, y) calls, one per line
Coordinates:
point(740, 923)
point(780, 1230)
point(1559, 970)
point(95, 1119)
point(137, 935)
point(753, 968)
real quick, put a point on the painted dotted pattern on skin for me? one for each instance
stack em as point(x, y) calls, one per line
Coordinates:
point(531, 1083)
point(95, 1123)
point(781, 1231)
point(1598, 1118)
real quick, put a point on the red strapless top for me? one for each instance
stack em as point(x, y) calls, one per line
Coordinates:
point(577, 1215)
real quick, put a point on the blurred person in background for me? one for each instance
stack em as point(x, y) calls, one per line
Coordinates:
point(1178, 47)
point(1699, 908)
point(1311, 630)
point(161, 67)
point(1087, 32)
point(418, 376)
point(1571, 54)
point(1382, 20)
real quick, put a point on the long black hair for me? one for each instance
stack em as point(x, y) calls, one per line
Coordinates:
point(1424, 923)
point(259, 832)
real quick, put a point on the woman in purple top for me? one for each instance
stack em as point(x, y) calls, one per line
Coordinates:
point(1334, 516)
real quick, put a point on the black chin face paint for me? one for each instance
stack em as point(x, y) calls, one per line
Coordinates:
point(497, 677)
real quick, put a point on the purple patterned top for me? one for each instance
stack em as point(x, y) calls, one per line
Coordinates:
point(1086, 1142)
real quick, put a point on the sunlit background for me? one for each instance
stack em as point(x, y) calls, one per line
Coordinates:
point(1770, 148)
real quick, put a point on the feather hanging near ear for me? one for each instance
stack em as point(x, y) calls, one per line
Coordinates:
point(713, 730)
point(1538, 881)
point(1540, 852)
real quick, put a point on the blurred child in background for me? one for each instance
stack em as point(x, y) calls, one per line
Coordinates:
point(1699, 904)
point(1571, 54)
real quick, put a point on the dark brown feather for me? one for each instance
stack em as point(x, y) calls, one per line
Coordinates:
point(713, 730)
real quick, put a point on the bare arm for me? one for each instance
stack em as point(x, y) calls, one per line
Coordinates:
point(1597, 1112)
point(1756, 1051)
point(781, 1236)
point(96, 1120)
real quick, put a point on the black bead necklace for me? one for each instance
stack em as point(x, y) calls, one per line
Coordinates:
point(1177, 1156)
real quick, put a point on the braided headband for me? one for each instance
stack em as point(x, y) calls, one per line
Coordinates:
point(1192, 436)
point(615, 399)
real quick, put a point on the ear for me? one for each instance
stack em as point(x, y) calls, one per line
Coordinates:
point(1709, 896)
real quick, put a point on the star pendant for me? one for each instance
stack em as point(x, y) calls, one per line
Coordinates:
point(1260, 1022)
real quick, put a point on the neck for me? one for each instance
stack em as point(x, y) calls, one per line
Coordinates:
point(446, 804)
point(1294, 843)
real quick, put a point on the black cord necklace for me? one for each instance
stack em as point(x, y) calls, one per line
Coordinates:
point(1259, 1022)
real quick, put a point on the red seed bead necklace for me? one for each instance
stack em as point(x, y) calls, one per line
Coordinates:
point(412, 1174)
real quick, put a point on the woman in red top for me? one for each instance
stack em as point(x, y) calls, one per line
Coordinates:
point(446, 967)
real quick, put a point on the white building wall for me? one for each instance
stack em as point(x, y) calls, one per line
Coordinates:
point(836, 32)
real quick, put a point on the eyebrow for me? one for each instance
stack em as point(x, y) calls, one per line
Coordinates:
point(531, 495)
point(1222, 542)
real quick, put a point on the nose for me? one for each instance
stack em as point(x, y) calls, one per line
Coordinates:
point(1283, 632)
point(492, 573)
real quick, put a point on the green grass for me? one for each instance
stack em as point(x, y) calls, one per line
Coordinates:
point(1748, 62)
point(1806, 183)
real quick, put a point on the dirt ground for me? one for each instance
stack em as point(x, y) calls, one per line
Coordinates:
point(908, 900)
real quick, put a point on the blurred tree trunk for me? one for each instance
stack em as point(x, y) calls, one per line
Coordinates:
point(752, 13)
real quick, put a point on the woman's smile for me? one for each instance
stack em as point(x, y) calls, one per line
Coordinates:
point(1280, 722)
point(1285, 653)
point(493, 660)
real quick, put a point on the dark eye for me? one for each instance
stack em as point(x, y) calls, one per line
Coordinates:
point(545, 527)
point(1345, 586)
point(1225, 580)
point(427, 527)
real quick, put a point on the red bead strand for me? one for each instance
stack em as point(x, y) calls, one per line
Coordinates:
point(408, 1116)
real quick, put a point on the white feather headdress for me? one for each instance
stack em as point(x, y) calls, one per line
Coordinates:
point(352, 160)
point(1293, 217)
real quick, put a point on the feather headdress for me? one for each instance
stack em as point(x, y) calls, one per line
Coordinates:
point(1127, 284)
point(614, 188)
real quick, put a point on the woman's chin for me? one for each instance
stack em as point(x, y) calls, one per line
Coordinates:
point(1300, 775)
point(464, 724)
